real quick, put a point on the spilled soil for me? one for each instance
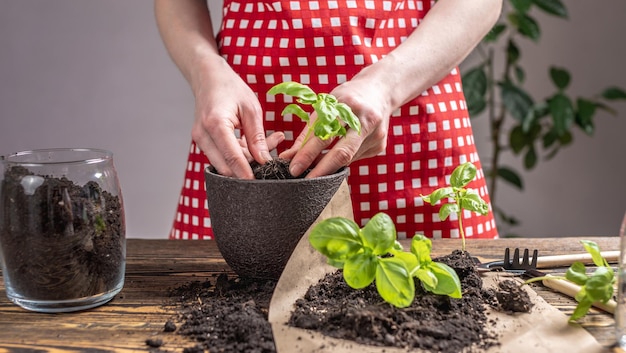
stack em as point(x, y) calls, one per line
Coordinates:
point(230, 315)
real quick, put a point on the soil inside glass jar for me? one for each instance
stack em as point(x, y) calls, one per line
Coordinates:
point(60, 240)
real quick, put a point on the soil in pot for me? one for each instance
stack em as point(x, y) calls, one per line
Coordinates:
point(61, 241)
point(274, 169)
point(231, 315)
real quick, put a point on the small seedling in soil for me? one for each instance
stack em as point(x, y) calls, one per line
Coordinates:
point(331, 114)
point(373, 253)
point(595, 287)
point(461, 197)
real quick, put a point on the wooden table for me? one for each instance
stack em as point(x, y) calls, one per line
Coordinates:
point(153, 267)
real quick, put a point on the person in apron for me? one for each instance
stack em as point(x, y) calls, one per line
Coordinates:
point(394, 62)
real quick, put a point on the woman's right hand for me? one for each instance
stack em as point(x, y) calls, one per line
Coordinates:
point(224, 102)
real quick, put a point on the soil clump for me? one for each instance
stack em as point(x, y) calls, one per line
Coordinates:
point(228, 316)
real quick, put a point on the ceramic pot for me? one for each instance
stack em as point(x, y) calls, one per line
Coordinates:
point(258, 223)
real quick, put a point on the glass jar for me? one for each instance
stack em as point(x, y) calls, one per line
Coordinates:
point(62, 229)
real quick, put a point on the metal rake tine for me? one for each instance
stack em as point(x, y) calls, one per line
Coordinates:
point(525, 259)
point(515, 263)
point(507, 258)
point(533, 263)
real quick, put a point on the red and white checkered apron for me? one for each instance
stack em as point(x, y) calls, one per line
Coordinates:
point(324, 43)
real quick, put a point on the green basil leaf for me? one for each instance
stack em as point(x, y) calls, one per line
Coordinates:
point(577, 273)
point(394, 283)
point(297, 111)
point(359, 270)
point(581, 309)
point(409, 259)
point(428, 279)
point(438, 194)
point(346, 114)
point(327, 130)
point(379, 234)
point(448, 282)
point(421, 248)
point(594, 250)
point(302, 92)
point(600, 285)
point(447, 209)
point(463, 175)
point(336, 238)
point(471, 201)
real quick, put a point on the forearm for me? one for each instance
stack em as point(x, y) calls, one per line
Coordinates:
point(186, 29)
point(445, 37)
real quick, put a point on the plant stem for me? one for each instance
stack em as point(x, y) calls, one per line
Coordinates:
point(307, 137)
point(460, 216)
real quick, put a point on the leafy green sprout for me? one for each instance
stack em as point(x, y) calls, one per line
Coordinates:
point(462, 198)
point(595, 287)
point(331, 114)
point(373, 253)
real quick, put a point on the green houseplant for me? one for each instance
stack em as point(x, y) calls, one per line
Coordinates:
point(531, 128)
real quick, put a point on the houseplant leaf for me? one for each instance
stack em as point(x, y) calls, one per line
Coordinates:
point(337, 238)
point(360, 270)
point(394, 282)
point(379, 234)
point(553, 7)
point(463, 175)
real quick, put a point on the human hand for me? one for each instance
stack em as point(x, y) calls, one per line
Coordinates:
point(373, 112)
point(224, 102)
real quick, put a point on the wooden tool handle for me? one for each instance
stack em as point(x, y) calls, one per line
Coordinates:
point(570, 289)
point(566, 260)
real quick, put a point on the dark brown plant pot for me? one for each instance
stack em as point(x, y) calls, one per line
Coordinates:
point(258, 223)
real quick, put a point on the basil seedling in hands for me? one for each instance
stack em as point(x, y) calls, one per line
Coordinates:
point(462, 198)
point(373, 253)
point(331, 114)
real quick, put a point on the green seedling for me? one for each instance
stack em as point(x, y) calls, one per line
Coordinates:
point(595, 287)
point(331, 114)
point(461, 198)
point(373, 253)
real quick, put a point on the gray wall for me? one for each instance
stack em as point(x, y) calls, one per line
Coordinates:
point(77, 73)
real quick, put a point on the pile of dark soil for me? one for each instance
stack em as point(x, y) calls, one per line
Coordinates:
point(60, 240)
point(433, 323)
point(231, 316)
point(228, 316)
